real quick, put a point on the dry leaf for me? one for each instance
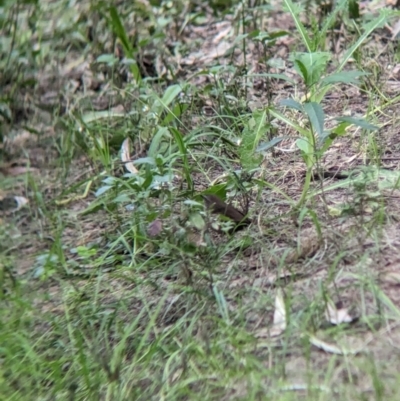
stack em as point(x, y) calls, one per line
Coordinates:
point(20, 140)
point(154, 228)
point(12, 203)
point(17, 170)
point(395, 30)
point(333, 348)
point(391, 277)
point(335, 315)
point(126, 156)
point(279, 323)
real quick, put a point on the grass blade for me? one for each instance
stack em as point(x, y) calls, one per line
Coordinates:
point(123, 37)
point(294, 11)
point(368, 29)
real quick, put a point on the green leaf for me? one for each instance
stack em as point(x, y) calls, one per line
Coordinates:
point(156, 141)
point(302, 131)
point(328, 137)
point(368, 29)
point(359, 122)
point(302, 70)
point(347, 77)
point(354, 9)
point(254, 130)
point(340, 130)
point(316, 116)
point(120, 31)
point(123, 37)
point(307, 150)
point(170, 94)
point(145, 160)
point(303, 145)
point(183, 150)
point(175, 113)
point(217, 189)
point(292, 104)
point(197, 220)
point(314, 63)
point(270, 144)
point(108, 59)
point(102, 190)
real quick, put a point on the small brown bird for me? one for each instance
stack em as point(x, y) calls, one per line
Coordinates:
point(217, 205)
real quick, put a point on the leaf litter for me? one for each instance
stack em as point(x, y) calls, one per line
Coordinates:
point(310, 255)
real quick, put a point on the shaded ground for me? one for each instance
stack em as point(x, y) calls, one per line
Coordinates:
point(97, 307)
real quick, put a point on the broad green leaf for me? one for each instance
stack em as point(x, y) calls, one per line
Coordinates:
point(314, 63)
point(301, 70)
point(292, 104)
point(175, 113)
point(368, 29)
point(217, 189)
point(145, 160)
point(302, 131)
point(359, 122)
point(108, 59)
point(156, 141)
point(316, 116)
point(270, 144)
point(102, 190)
point(191, 202)
point(170, 94)
point(340, 130)
point(307, 150)
point(303, 145)
point(197, 220)
point(347, 77)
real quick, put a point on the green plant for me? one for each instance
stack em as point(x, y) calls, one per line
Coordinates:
point(315, 139)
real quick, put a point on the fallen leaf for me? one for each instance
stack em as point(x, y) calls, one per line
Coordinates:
point(154, 228)
point(335, 315)
point(391, 277)
point(17, 170)
point(333, 348)
point(395, 30)
point(279, 323)
point(126, 156)
point(12, 203)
